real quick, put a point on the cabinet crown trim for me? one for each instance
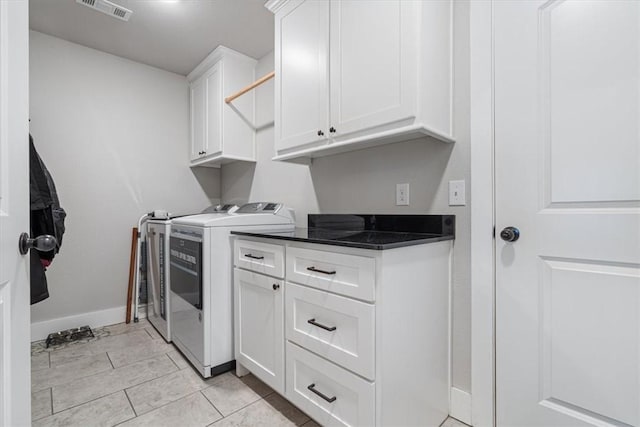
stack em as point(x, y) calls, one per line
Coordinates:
point(215, 56)
point(275, 5)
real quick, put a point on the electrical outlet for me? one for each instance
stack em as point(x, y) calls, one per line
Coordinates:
point(456, 193)
point(402, 194)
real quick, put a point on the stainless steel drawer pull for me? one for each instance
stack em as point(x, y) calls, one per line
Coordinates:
point(315, 270)
point(253, 256)
point(322, 395)
point(319, 325)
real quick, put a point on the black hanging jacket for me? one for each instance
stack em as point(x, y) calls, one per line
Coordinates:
point(47, 217)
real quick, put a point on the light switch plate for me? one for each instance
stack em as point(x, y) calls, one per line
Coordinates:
point(456, 193)
point(402, 194)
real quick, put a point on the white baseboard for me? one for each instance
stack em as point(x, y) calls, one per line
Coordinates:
point(95, 319)
point(460, 405)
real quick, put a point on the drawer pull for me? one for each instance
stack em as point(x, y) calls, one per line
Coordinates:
point(319, 325)
point(253, 256)
point(312, 388)
point(320, 271)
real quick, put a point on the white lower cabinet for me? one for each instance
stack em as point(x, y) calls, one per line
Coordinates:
point(259, 325)
point(329, 394)
point(337, 328)
point(364, 334)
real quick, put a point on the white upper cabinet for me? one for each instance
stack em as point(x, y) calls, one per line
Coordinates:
point(357, 73)
point(373, 65)
point(198, 91)
point(302, 40)
point(221, 132)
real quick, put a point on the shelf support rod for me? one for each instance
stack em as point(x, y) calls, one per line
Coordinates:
point(253, 85)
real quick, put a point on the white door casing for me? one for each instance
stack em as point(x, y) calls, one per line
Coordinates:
point(567, 174)
point(15, 369)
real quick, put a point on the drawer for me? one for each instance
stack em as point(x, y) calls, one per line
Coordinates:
point(350, 275)
point(328, 393)
point(337, 328)
point(261, 257)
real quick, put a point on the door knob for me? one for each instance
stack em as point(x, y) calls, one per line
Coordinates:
point(510, 234)
point(42, 243)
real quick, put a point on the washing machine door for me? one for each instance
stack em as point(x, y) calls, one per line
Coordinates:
point(186, 268)
point(187, 326)
point(157, 279)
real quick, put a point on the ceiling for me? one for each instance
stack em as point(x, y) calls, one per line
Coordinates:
point(174, 35)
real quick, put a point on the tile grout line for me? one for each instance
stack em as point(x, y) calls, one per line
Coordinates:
point(110, 361)
point(174, 362)
point(123, 366)
point(240, 409)
point(135, 413)
point(83, 403)
point(134, 385)
point(214, 406)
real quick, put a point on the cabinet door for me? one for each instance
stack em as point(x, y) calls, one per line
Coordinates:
point(301, 62)
point(213, 144)
point(259, 326)
point(373, 75)
point(198, 118)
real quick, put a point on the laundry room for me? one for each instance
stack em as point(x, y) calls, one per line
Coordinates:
point(268, 212)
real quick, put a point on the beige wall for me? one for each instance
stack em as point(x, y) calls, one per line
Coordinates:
point(364, 182)
point(114, 135)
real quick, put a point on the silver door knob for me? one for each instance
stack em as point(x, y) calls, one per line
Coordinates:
point(43, 243)
point(510, 234)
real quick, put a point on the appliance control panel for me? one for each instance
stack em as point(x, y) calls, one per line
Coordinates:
point(260, 207)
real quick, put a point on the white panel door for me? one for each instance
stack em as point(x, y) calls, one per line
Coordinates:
point(302, 80)
point(373, 64)
point(567, 170)
point(213, 119)
point(198, 118)
point(15, 369)
point(259, 326)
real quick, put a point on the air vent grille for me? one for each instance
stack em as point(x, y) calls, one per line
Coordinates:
point(119, 12)
point(108, 8)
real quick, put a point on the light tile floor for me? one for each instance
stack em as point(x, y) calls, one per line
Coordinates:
point(129, 376)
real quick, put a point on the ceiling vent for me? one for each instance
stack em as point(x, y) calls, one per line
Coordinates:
point(108, 8)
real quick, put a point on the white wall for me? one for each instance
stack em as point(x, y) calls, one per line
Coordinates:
point(114, 135)
point(266, 180)
point(364, 182)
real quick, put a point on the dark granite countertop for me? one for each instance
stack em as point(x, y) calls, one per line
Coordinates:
point(377, 232)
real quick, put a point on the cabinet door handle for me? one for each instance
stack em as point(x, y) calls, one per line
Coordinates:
point(276, 286)
point(253, 256)
point(332, 129)
point(315, 270)
point(320, 133)
point(319, 325)
point(312, 388)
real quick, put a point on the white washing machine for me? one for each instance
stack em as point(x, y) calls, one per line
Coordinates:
point(158, 283)
point(201, 265)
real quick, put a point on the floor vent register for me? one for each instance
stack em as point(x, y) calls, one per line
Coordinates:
point(69, 335)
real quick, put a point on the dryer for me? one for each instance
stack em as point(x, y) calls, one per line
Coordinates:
point(201, 265)
point(158, 232)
